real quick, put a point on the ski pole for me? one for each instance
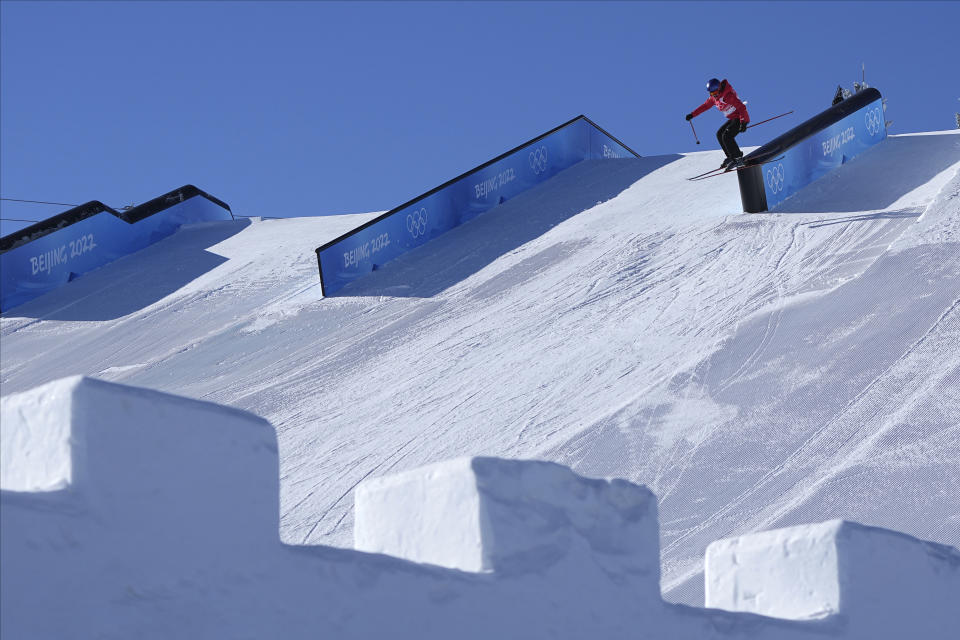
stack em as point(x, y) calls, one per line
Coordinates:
point(769, 119)
point(694, 131)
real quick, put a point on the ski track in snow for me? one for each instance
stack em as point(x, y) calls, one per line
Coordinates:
point(736, 364)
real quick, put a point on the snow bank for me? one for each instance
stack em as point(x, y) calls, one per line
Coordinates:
point(110, 492)
point(132, 513)
point(477, 514)
point(169, 465)
point(35, 451)
point(875, 578)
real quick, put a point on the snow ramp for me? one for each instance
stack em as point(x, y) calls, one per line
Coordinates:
point(753, 370)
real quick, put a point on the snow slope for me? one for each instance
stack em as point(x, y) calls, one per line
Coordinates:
point(755, 371)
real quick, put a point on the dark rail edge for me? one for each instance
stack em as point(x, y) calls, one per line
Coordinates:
point(469, 172)
point(809, 127)
point(92, 208)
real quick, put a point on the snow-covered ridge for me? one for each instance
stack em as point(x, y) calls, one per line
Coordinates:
point(755, 372)
point(166, 526)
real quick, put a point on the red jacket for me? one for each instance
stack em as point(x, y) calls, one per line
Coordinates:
point(727, 102)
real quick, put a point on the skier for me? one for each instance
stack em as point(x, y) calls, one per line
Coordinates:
point(725, 99)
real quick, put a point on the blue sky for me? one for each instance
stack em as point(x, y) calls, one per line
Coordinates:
point(315, 108)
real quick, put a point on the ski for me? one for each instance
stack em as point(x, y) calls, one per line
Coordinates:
point(706, 173)
point(720, 172)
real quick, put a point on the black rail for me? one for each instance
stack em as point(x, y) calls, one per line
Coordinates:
point(821, 121)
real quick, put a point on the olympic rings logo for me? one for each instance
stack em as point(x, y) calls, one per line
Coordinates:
point(538, 160)
point(417, 223)
point(775, 178)
point(874, 121)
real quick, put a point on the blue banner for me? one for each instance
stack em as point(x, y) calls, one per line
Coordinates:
point(38, 266)
point(820, 153)
point(417, 222)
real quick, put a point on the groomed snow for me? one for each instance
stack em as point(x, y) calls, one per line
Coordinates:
point(755, 371)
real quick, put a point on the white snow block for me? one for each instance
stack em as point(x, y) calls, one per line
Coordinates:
point(160, 466)
point(119, 502)
point(35, 450)
point(509, 516)
point(880, 581)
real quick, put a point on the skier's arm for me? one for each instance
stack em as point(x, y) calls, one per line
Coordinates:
point(706, 105)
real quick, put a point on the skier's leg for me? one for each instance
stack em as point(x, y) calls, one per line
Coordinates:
point(730, 144)
point(722, 137)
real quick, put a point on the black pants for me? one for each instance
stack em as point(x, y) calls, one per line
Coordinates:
point(726, 135)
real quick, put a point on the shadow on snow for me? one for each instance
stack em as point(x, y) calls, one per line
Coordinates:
point(878, 178)
point(131, 287)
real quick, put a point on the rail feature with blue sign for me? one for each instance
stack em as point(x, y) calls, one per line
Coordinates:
point(808, 152)
point(49, 254)
point(457, 201)
point(823, 152)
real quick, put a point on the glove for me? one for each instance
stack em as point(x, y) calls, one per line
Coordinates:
point(743, 125)
point(689, 116)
